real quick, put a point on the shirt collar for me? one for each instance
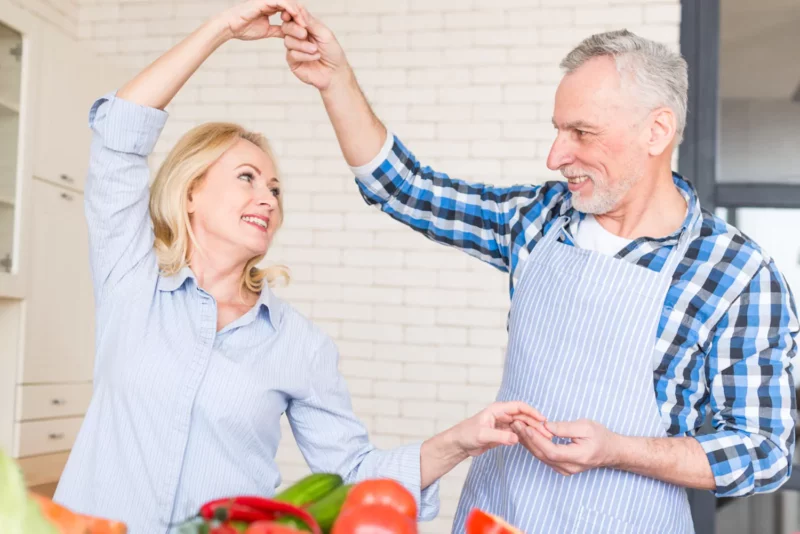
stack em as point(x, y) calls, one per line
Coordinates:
point(685, 188)
point(267, 300)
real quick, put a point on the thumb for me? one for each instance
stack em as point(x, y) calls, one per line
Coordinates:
point(494, 436)
point(313, 25)
point(567, 429)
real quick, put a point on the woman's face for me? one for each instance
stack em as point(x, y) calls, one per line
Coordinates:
point(234, 209)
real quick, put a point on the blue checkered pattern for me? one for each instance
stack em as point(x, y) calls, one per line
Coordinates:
point(727, 335)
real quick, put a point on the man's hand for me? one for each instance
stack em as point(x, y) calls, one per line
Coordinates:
point(312, 52)
point(592, 445)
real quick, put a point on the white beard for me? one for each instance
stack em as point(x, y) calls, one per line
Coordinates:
point(603, 198)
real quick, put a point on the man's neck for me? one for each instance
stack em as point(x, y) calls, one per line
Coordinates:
point(652, 208)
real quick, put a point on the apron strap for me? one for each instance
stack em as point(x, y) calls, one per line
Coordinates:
point(682, 246)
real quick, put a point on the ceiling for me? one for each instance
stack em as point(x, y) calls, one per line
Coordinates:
point(759, 49)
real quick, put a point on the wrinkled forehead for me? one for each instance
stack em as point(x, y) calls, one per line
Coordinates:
point(592, 93)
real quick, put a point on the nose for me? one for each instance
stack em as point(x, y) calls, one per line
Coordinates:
point(561, 153)
point(265, 197)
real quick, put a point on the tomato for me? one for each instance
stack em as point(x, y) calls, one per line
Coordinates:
point(269, 527)
point(382, 491)
point(373, 519)
point(224, 529)
point(480, 522)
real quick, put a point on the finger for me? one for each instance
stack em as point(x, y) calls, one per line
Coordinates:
point(528, 420)
point(293, 43)
point(315, 27)
point(550, 451)
point(296, 55)
point(295, 30)
point(493, 436)
point(536, 425)
point(291, 7)
point(274, 31)
point(518, 407)
point(568, 429)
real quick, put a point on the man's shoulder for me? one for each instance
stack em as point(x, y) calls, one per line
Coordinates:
point(722, 243)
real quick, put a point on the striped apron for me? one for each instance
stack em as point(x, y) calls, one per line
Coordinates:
point(581, 345)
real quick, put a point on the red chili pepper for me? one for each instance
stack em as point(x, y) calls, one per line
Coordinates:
point(230, 510)
point(223, 509)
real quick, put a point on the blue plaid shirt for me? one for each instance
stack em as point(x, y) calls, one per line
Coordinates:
point(727, 334)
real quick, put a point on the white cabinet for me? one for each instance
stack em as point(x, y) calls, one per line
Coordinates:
point(46, 401)
point(70, 80)
point(49, 436)
point(18, 60)
point(46, 302)
point(59, 325)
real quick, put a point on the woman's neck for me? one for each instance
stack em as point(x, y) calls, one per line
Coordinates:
point(221, 278)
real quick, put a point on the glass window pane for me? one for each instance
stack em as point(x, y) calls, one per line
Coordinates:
point(10, 77)
point(759, 91)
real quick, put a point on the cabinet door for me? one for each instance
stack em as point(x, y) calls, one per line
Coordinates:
point(60, 313)
point(71, 79)
point(62, 134)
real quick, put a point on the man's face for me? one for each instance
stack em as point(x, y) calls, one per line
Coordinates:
point(600, 147)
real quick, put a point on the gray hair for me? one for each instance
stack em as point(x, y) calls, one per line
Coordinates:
point(661, 75)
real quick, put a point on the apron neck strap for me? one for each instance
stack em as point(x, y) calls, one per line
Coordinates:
point(673, 259)
point(682, 246)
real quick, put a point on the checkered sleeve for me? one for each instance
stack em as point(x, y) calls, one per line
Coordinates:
point(752, 392)
point(480, 219)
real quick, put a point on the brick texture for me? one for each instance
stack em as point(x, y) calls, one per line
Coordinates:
point(469, 86)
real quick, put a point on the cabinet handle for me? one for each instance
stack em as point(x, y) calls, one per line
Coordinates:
point(66, 196)
point(67, 179)
point(58, 402)
point(55, 436)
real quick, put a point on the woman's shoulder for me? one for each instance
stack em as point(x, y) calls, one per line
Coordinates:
point(293, 322)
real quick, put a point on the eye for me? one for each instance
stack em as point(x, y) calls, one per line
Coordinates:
point(246, 176)
point(276, 191)
point(582, 133)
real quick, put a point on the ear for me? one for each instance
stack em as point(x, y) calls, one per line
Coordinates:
point(190, 205)
point(663, 128)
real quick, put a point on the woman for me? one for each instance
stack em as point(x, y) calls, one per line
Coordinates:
point(196, 359)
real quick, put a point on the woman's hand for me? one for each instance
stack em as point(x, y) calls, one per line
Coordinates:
point(250, 20)
point(492, 427)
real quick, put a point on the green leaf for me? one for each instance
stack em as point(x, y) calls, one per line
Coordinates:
point(18, 513)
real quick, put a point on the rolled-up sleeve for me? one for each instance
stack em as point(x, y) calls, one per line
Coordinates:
point(333, 440)
point(117, 193)
point(753, 390)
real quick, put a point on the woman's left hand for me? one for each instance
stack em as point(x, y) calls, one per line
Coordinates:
point(492, 426)
point(250, 20)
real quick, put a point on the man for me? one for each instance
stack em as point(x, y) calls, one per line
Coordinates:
point(633, 311)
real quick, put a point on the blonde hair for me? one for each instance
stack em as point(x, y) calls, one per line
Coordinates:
point(185, 166)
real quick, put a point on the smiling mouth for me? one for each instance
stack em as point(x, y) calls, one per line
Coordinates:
point(259, 223)
point(577, 179)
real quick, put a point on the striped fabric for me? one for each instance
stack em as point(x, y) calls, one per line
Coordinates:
point(726, 338)
point(568, 356)
point(182, 414)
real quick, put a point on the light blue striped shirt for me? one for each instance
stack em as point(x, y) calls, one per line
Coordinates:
point(182, 414)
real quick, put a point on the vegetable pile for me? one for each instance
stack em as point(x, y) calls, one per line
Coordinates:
point(320, 504)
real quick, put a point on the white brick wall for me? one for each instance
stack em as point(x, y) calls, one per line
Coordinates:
point(469, 87)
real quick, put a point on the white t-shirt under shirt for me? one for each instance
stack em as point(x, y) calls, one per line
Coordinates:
point(592, 236)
